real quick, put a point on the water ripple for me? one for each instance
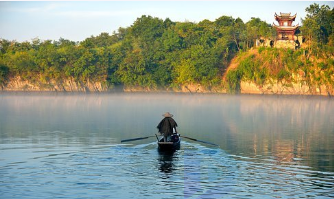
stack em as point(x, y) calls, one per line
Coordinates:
point(195, 171)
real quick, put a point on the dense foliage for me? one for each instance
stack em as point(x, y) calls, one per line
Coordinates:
point(152, 53)
point(155, 53)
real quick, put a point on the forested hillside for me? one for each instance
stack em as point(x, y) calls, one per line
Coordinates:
point(157, 54)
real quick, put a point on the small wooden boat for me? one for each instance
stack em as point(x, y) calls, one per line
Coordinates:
point(170, 146)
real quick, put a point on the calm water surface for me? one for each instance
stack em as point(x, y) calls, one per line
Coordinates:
point(68, 146)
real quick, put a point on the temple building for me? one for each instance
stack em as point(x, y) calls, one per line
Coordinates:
point(286, 31)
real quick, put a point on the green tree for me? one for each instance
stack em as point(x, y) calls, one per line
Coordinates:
point(132, 70)
point(318, 28)
point(324, 17)
point(171, 40)
point(238, 32)
point(147, 29)
point(4, 72)
point(197, 65)
point(102, 40)
point(310, 31)
point(256, 29)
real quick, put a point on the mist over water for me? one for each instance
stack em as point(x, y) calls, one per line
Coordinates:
point(68, 145)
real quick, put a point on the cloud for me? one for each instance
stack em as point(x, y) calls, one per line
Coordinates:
point(45, 8)
point(72, 10)
point(90, 14)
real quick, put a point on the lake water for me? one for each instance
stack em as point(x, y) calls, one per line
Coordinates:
point(61, 145)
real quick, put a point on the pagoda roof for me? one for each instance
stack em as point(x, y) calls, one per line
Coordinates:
point(286, 27)
point(285, 16)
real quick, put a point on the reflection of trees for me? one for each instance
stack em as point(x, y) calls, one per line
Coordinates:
point(284, 151)
point(285, 127)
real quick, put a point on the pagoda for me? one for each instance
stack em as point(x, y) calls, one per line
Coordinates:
point(285, 30)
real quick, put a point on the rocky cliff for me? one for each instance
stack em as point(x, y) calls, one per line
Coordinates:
point(298, 88)
point(17, 84)
point(246, 87)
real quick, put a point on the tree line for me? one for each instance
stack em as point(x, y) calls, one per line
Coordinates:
point(152, 52)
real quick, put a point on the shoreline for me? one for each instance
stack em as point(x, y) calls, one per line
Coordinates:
point(20, 92)
point(297, 88)
point(246, 88)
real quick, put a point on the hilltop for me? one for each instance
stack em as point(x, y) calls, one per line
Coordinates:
point(281, 71)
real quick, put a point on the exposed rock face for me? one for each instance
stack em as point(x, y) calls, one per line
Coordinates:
point(282, 88)
point(69, 85)
point(17, 84)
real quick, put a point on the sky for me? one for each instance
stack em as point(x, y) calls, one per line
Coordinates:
point(78, 20)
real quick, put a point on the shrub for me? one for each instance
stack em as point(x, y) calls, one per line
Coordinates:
point(4, 72)
point(233, 79)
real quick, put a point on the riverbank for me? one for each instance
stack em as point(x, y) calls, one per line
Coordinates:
point(246, 87)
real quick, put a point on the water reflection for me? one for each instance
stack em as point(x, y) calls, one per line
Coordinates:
point(166, 162)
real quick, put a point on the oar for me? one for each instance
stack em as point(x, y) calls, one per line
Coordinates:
point(199, 140)
point(134, 139)
point(157, 137)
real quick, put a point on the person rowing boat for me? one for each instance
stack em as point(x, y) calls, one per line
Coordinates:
point(171, 139)
point(166, 127)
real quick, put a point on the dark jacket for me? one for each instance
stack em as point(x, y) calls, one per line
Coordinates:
point(166, 126)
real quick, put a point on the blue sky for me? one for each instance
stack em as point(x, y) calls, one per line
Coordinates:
point(76, 20)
